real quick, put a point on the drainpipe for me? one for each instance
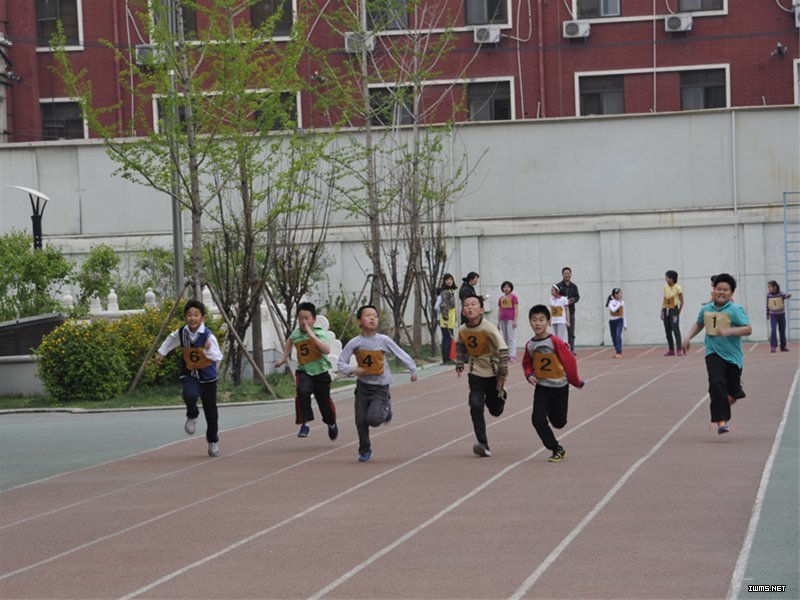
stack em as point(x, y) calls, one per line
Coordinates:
point(541, 56)
point(117, 93)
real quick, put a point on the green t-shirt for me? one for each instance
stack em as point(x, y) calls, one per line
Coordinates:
point(729, 348)
point(310, 359)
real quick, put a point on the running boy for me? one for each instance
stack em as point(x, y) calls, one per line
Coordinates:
point(481, 343)
point(311, 376)
point(725, 323)
point(550, 367)
point(201, 355)
point(373, 376)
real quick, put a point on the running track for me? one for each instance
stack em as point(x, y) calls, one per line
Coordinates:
point(649, 503)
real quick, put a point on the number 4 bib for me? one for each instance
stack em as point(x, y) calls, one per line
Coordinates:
point(371, 361)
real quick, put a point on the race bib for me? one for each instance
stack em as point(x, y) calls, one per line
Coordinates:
point(618, 312)
point(775, 304)
point(194, 358)
point(506, 302)
point(669, 302)
point(557, 311)
point(714, 321)
point(307, 352)
point(547, 366)
point(371, 361)
point(477, 342)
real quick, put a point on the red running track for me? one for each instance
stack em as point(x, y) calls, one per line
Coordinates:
point(648, 504)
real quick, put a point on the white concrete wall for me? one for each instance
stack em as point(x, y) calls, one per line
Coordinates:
point(619, 199)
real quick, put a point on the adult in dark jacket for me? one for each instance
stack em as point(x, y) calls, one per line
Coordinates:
point(467, 288)
point(570, 291)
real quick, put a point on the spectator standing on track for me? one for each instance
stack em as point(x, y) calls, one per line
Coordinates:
point(559, 305)
point(373, 405)
point(508, 307)
point(312, 374)
point(617, 319)
point(448, 319)
point(201, 355)
point(483, 347)
point(671, 307)
point(776, 313)
point(725, 323)
point(550, 367)
point(570, 291)
point(467, 289)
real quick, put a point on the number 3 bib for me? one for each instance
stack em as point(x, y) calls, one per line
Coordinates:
point(477, 342)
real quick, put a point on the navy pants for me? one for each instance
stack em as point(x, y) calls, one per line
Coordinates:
point(616, 325)
point(550, 408)
point(194, 389)
point(777, 328)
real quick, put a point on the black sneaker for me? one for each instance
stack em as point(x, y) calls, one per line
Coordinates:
point(559, 455)
point(333, 431)
point(481, 450)
point(389, 415)
point(304, 430)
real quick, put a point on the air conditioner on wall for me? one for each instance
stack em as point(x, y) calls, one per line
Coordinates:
point(674, 23)
point(576, 29)
point(355, 42)
point(146, 54)
point(486, 35)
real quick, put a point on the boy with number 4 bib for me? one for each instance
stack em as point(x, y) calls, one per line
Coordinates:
point(311, 376)
point(550, 366)
point(201, 354)
point(725, 323)
point(373, 377)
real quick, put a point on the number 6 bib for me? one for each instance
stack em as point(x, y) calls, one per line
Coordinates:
point(195, 359)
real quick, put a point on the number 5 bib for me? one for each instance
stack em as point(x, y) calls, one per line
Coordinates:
point(307, 352)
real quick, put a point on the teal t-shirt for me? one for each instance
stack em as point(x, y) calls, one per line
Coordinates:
point(729, 348)
point(309, 358)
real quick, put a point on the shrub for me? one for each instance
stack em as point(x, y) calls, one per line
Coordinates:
point(338, 311)
point(81, 362)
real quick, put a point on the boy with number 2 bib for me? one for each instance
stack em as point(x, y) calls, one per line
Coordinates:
point(373, 376)
point(201, 355)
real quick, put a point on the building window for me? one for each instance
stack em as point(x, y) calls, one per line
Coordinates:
point(696, 5)
point(263, 10)
point(62, 121)
point(602, 95)
point(213, 112)
point(703, 89)
point(489, 101)
point(49, 13)
point(276, 118)
point(189, 17)
point(482, 12)
point(390, 107)
point(387, 15)
point(588, 9)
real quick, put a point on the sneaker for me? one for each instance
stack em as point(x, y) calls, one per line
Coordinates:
point(773, 349)
point(389, 415)
point(365, 457)
point(303, 431)
point(481, 450)
point(738, 394)
point(213, 448)
point(559, 454)
point(333, 431)
point(723, 428)
point(784, 349)
point(669, 353)
point(503, 395)
point(617, 356)
point(190, 426)
point(679, 352)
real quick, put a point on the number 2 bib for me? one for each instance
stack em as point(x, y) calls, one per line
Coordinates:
point(371, 361)
point(547, 366)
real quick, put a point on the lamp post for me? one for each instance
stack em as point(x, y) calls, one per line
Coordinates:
point(38, 202)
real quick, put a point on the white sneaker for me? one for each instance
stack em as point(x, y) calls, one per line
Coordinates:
point(213, 448)
point(191, 426)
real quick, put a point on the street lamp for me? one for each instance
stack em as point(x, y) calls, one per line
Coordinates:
point(37, 206)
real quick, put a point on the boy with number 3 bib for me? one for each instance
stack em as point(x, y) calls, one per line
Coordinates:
point(725, 323)
point(550, 366)
point(373, 377)
point(201, 355)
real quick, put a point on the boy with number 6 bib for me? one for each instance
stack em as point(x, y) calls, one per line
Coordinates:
point(201, 355)
point(550, 366)
point(373, 376)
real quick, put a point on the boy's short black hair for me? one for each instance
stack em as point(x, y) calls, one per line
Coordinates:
point(506, 283)
point(194, 304)
point(725, 278)
point(566, 269)
point(365, 307)
point(539, 309)
point(309, 306)
point(672, 275)
point(480, 299)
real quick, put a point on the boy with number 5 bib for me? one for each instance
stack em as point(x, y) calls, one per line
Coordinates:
point(725, 323)
point(201, 355)
point(550, 366)
point(373, 376)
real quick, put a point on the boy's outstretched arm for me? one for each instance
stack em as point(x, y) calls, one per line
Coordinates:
point(687, 340)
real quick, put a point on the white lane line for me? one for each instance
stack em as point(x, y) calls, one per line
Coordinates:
point(553, 556)
point(361, 566)
point(755, 516)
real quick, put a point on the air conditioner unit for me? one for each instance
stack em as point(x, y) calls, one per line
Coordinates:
point(147, 54)
point(674, 23)
point(355, 42)
point(577, 29)
point(797, 16)
point(486, 35)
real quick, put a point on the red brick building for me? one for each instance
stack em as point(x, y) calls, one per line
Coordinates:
point(510, 59)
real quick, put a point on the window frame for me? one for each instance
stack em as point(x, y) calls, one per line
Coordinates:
point(62, 100)
point(473, 21)
point(68, 47)
point(601, 93)
point(401, 109)
point(725, 86)
point(601, 14)
point(292, 12)
point(491, 80)
point(723, 7)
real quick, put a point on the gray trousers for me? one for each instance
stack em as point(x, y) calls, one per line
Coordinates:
point(371, 408)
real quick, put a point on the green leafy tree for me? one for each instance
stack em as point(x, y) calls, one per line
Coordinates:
point(95, 274)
